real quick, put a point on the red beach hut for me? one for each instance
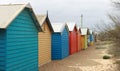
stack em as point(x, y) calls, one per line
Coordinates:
point(79, 42)
point(72, 38)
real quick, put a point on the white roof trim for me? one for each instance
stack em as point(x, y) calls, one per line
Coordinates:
point(28, 5)
point(84, 31)
point(58, 27)
point(71, 25)
point(91, 32)
point(10, 12)
point(78, 28)
point(41, 19)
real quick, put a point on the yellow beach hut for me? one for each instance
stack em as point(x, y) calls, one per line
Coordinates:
point(44, 40)
point(84, 36)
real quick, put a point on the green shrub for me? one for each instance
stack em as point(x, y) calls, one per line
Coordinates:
point(106, 57)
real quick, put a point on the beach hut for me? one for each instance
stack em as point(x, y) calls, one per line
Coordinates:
point(44, 53)
point(72, 37)
point(79, 42)
point(91, 38)
point(18, 38)
point(84, 37)
point(60, 41)
point(88, 40)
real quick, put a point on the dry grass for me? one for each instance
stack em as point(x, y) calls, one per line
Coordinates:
point(103, 44)
point(114, 50)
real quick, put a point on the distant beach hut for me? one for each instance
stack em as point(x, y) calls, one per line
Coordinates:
point(91, 38)
point(72, 37)
point(18, 38)
point(84, 37)
point(44, 39)
point(79, 41)
point(60, 41)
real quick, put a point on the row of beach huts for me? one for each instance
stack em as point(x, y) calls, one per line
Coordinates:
point(28, 41)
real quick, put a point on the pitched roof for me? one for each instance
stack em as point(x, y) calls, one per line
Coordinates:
point(9, 12)
point(71, 25)
point(91, 32)
point(58, 27)
point(78, 28)
point(84, 31)
point(42, 19)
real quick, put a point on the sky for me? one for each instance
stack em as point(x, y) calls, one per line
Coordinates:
point(94, 11)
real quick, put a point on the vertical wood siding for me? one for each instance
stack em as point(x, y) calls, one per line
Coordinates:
point(65, 43)
point(56, 46)
point(83, 41)
point(86, 42)
point(73, 42)
point(44, 45)
point(60, 45)
point(91, 40)
point(2, 49)
point(22, 44)
point(78, 41)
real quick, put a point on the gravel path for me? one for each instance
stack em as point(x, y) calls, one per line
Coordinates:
point(86, 60)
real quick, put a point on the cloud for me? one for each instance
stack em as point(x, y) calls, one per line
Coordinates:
point(69, 10)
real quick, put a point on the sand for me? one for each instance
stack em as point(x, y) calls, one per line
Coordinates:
point(86, 60)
